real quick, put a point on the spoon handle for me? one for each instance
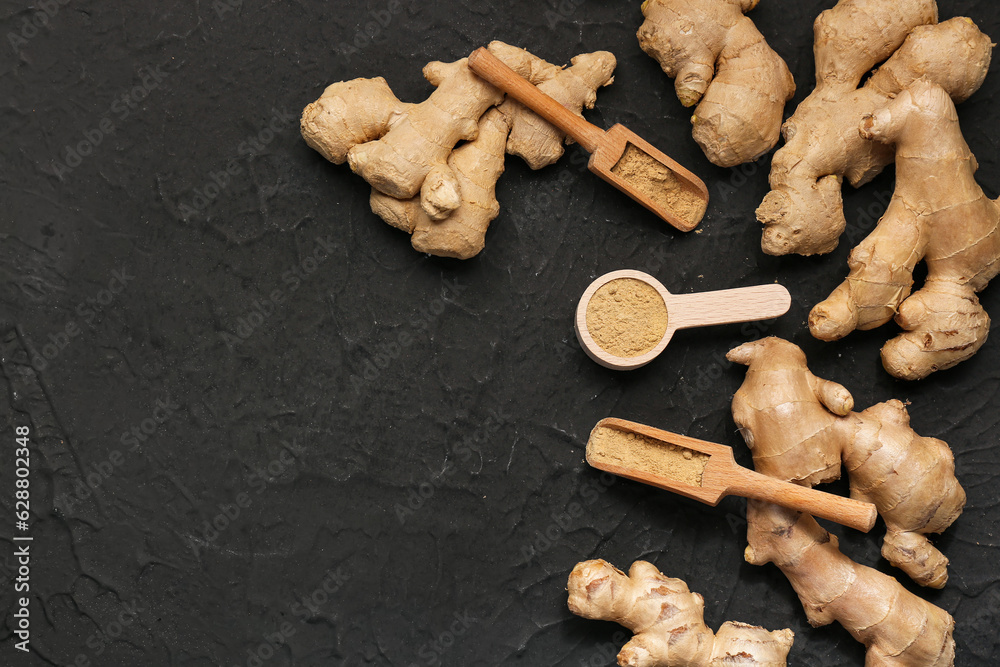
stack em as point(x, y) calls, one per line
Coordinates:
point(487, 66)
point(845, 511)
point(742, 304)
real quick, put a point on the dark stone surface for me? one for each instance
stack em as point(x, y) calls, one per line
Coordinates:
point(383, 373)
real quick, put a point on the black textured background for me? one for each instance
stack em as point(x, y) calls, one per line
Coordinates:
point(383, 374)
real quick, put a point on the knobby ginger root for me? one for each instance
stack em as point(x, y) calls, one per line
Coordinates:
point(800, 428)
point(477, 165)
point(803, 213)
point(668, 620)
point(445, 197)
point(939, 214)
point(717, 56)
point(897, 627)
point(395, 146)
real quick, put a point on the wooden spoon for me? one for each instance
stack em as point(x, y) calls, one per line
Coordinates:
point(674, 193)
point(741, 304)
point(720, 476)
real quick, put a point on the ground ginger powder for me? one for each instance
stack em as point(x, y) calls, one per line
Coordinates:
point(627, 317)
point(658, 182)
point(638, 452)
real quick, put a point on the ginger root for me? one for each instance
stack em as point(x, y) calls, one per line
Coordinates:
point(800, 428)
point(897, 627)
point(717, 57)
point(668, 620)
point(533, 139)
point(939, 214)
point(477, 166)
point(803, 213)
point(395, 146)
point(445, 197)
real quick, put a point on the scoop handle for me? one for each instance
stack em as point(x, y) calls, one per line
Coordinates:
point(487, 66)
point(742, 304)
point(845, 511)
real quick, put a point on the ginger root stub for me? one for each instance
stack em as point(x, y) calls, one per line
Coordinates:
point(720, 61)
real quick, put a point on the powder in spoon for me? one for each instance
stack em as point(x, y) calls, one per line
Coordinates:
point(627, 317)
point(638, 452)
point(655, 180)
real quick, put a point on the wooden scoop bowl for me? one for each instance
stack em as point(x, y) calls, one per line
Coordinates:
point(741, 304)
point(723, 477)
point(606, 148)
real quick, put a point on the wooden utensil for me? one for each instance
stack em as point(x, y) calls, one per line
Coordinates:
point(606, 148)
point(742, 304)
point(723, 477)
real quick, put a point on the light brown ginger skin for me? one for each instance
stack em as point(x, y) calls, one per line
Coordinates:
point(349, 113)
point(533, 139)
point(720, 61)
point(399, 161)
point(939, 214)
point(803, 213)
point(800, 428)
point(407, 148)
point(477, 166)
point(898, 628)
point(396, 146)
point(668, 620)
point(928, 501)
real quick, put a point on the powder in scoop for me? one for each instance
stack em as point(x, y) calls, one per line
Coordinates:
point(626, 317)
point(637, 452)
point(658, 182)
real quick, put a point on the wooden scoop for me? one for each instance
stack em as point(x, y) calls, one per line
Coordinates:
point(619, 156)
point(741, 304)
point(709, 473)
